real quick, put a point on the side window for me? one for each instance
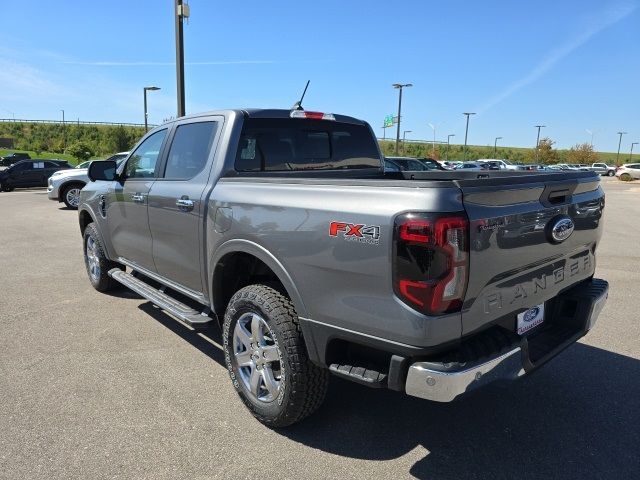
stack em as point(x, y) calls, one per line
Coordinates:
point(21, 167)
point(142, 163)
point(38, 165)
point(51, 165)
point(189, 150)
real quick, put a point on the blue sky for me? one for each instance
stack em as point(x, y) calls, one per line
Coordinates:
point(571, 65)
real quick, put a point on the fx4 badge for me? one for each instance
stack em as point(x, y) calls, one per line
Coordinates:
point(355, 232)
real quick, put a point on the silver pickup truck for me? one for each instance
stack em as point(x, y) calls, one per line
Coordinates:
point(283, 228)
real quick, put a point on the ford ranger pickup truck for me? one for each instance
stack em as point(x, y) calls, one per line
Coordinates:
point(282, 228)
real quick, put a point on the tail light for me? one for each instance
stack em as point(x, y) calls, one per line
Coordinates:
point(431, 261)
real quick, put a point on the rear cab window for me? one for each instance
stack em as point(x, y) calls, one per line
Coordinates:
point(291, 144)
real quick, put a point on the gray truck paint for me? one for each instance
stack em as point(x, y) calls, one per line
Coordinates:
point(284, 222)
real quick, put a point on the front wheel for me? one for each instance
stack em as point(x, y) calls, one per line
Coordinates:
point(5, 188)
point(267, 358)
point(625, 177)
point(71, 196)
point(97, 263)
point(611, 173)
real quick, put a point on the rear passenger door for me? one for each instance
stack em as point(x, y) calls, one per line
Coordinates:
point(176, 202)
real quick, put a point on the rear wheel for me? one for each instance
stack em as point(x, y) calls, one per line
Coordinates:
point(98, 265)
point(71, 195)
point(611, 173)
point(267, 358)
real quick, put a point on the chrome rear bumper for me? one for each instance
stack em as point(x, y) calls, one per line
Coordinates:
point(443, 382)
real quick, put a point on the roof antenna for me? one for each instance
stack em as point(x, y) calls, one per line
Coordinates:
point(298, 104)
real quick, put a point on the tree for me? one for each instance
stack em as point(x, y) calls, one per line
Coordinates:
point(80, 151)
point(546, 153)
point(582, 153)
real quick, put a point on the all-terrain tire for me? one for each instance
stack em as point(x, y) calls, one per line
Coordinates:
point(96, 262)
point(303, 385)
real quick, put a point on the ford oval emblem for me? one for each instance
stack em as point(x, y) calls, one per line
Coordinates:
point(560, 228)
point(531, 314)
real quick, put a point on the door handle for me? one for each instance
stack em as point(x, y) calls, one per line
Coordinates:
point(184, 203)
point(137, 197)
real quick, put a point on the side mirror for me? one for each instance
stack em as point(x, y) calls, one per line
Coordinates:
point(103, 170)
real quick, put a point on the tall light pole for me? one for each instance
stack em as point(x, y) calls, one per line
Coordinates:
point(466, 132)
point(400, 86)
point(538, 141)
point(631, 153)
point(181, 12)
point(403, 140)
point(590, 132)
point(448, 138)
point(495, 146)
point(146, 114)
point(64, 133)
point(619, 143)
point(433, 144)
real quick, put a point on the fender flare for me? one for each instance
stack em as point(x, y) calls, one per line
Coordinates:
point(264, 255)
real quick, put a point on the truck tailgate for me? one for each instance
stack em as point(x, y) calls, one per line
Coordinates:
point(517, 260)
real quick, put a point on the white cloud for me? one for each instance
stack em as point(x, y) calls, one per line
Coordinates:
point(601, 22)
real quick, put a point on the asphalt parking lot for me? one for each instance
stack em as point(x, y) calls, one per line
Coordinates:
point(108, 386)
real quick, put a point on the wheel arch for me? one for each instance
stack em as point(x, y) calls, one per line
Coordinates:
point(67, 184)
point(256, 264)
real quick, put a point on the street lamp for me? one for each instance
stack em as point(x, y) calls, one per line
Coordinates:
point(433, 145)
point(403, 139)
point(466, 132)
point(495, 146)
point(146, 128)
point(590, 132)
point(619, 143)
point(400, 86)
point(631, 153)
point(538, 141)
point(448, 138)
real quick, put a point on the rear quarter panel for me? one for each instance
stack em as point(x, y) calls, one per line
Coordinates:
point(341, 282)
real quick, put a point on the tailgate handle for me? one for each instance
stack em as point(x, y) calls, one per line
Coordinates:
point(556, 197)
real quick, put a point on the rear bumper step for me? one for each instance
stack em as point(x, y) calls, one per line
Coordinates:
point(574, 313)
point(182, 312)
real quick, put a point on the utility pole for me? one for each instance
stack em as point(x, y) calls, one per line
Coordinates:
point(181, 12)
point(399, 86)
point(466, 132)
point(619, 143)
point(590, 132)
point(538, 141)
point(448, 138)
point(631, 153)
point(495, 146)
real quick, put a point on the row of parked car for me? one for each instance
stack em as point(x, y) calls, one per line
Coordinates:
point(63, 181)
point(625, 172)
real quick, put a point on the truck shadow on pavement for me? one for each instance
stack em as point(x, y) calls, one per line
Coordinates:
point(577, 417)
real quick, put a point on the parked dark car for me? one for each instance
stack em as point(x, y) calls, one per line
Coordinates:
point(30, 173)
point(12, 158)
point(399, 164)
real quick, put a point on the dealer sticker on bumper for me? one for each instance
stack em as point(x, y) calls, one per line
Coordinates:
point(530, 319)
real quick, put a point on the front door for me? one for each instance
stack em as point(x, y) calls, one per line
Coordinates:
point(127, 201)
point(176, 199)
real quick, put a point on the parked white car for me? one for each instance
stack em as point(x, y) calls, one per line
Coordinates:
point(65, 185)
point(628, 171)
point(504, 164)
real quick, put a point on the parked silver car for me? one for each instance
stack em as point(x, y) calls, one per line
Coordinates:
point(65, 185)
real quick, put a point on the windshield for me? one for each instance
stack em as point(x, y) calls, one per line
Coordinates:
point(84, 164)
